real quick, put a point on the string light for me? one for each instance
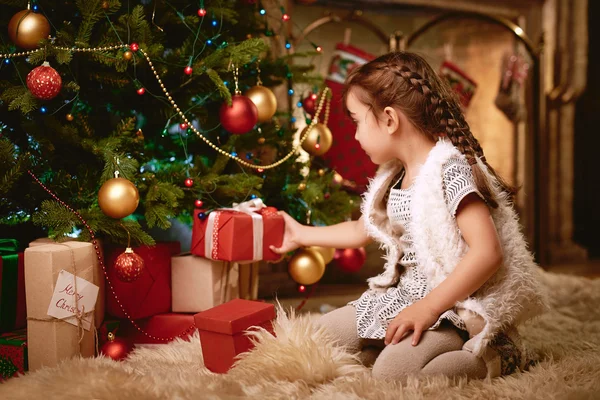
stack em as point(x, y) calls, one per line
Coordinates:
point(291, 92)
point(141, 91)
point(285, 17)
point(209, 42)
point(134, 47)
point(43, 110)
point(262, 11)
point(201, 12)
point(288, 45)
point(214, 22)
point(188, 70)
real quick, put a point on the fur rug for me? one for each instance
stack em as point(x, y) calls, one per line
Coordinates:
point(301, 363)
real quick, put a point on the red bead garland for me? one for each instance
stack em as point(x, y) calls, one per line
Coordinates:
point(101, 261)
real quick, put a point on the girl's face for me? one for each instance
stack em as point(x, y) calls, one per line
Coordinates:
point(371, 134)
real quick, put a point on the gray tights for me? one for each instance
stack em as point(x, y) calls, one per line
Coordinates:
point(438, 352)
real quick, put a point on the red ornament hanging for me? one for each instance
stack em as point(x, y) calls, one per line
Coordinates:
point(189, 182)
point(310, 104)
point(350, 260)
point(198, 203)
point(201, 12)
point(240, 117)
point(129, 266)
point(116, 348)
point(44, 82)
point(134, 47)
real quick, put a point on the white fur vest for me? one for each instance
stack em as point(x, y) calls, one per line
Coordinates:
point(508, 298)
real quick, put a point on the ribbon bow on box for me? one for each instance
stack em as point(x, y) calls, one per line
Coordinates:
point(242, 233)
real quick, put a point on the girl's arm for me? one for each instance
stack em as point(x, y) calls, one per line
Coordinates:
point(482, 260)
point(349, 234)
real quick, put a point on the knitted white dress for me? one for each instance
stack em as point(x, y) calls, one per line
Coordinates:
point(374, 311)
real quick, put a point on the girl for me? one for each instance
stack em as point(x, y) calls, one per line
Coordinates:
point(458, 277)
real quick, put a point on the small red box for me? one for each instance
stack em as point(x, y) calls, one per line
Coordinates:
point(13, 354)
point(233, 238)
point(168, 325)
point(148, 295)
point(222, 330)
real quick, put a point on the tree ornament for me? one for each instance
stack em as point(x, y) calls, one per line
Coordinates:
point(306, 267)
point(337, 180)
point(141, 91)
point(201, 12)
point(134, 47)
point(310, 104)
point(69, 117)
point(326, 252)
point(127, 55)
point(116, 348)
point(189, 182)
point(27, 28)
point(118, 197)
point(350, 260)
point(183, 126)
point(301, 288)
point(321, 172)
point(129, 266)
point(265, 101)
point(188, 70)
point(198, 203)
point(44, 82)
point(240, 117)
point(318, 141)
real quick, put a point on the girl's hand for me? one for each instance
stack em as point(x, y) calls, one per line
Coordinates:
point(291, 235)
point(417, 317)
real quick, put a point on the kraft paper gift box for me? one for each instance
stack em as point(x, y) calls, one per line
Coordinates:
point(222, 335)
point(199, 283)
point(51, 340)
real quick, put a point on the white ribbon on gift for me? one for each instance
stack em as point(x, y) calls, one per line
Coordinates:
point(250, 207)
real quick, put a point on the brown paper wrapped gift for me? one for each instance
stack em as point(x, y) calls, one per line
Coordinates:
point(50, 340)
point(199, 284)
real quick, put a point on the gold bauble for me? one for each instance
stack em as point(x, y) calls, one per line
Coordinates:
point(306, 266)
point(27, 28)
point(128, 55)
point(69, 117)
point(265, 102)
point(326, 252)
point(118, 198)
point(319, 135)
point(301, 186)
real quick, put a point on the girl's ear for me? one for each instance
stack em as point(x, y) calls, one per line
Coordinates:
point(391, 119)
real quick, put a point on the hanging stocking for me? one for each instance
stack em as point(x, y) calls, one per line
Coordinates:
point(345, 155)
point(509, 99)
point(459, 81)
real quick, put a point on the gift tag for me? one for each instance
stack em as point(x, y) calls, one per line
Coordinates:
point(63, 303)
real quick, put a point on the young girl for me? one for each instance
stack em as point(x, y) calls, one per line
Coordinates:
point(458, 277)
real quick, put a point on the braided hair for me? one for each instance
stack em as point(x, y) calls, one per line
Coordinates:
point(405, 80)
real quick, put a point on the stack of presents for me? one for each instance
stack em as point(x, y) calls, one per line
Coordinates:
point(55, 297)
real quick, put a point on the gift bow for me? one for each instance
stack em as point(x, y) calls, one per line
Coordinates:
point(8, 246)
point(250, 207)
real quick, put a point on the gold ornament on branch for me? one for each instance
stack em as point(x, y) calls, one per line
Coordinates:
point(128, 55)
point(326, 252)
point(306, 266)
point(26, 29)
point(265, 102)
point(318, 140)
point(118, 197)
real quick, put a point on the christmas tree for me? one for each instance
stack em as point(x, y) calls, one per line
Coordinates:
point(141, 90)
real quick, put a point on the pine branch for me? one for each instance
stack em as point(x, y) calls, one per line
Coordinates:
point(19, 98)
point(161, 201)
point(91, 11)
point(223, 90)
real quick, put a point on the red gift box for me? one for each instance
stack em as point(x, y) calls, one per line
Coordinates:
point(148, 295)
point(345, 155)
point(13, 353)
point(230, 235)
point(168, 325)
point(222, 330)
point(13, 309)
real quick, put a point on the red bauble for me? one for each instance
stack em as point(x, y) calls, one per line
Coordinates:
point(350, 260)
point(141, 91)
point(198, 203)
point(44, 82)
point(134, 47)
point(310, 104)
point(129, 266)
point(189, 182)
point(116, 348)
point(241, 117)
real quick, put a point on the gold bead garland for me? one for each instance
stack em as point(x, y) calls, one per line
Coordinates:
point(314, 121)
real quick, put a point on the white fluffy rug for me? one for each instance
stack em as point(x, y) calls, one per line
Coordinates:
point(301, 363)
